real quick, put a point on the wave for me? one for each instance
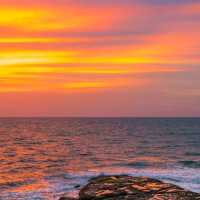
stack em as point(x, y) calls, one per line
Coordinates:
point(16, 184)
point(192, 154)
point(190, 163)
point(139, 164)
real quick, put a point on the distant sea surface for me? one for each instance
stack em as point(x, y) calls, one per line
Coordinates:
point(44, 158)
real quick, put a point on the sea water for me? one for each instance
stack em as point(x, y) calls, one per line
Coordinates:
point(45, 158)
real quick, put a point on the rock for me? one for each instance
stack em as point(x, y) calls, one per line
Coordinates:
point(67, 198)
point(133, 188)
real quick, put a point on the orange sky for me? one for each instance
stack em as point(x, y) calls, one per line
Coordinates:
point(99, 58)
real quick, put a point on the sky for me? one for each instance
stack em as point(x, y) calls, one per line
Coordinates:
point(100, 58)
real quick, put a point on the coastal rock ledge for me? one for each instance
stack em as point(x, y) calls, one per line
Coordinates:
point(132, 188)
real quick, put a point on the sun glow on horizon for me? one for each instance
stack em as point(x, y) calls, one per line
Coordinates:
point(106, 48)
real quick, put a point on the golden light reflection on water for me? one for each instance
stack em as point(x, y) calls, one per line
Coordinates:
point(48, 157)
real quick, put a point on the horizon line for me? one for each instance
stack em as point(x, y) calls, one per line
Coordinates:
point(4, 117)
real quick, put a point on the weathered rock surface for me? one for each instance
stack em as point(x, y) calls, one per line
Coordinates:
point(132, 188)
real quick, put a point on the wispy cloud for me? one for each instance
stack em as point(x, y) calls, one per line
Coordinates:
point(92, 46)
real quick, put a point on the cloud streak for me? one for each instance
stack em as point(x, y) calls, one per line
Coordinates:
point(88, 47)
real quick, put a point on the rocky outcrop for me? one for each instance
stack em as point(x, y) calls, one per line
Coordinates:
point(132, 188)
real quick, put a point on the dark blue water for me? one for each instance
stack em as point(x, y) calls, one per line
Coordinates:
point(44, 158)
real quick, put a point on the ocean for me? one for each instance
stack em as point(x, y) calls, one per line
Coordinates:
point(45, 158)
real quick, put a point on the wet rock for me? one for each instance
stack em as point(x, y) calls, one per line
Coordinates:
point(77, 186)
point(67, 198)
point(133, 188)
